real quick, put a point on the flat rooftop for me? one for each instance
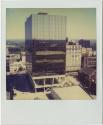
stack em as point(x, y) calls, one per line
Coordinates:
point(70, 93)
point(29, 96)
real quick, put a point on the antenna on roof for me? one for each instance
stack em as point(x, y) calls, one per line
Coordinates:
point(43, 11)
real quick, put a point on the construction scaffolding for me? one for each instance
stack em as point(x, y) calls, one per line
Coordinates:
point(44, 82)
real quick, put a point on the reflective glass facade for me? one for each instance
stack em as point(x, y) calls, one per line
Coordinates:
point(49, 57)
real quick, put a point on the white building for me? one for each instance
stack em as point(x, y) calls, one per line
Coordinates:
point(16, 66)
point(88, 52)
point(23, 57)
point(14, 57)
point(73, 57)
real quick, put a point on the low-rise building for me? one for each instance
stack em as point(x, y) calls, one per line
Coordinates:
point(17, 66)
point(13, 57)
point(11, 60)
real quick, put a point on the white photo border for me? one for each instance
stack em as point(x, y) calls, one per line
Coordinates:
point(50, 112)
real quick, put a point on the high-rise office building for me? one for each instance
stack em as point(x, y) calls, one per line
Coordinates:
point(73, 57)
point(45, 43)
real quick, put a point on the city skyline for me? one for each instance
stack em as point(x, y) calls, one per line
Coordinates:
point(81, 22)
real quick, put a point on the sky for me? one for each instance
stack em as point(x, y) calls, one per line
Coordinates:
point(81, 22)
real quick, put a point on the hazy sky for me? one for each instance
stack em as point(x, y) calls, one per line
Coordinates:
point(81, 22)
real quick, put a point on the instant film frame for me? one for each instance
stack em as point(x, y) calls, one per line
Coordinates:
point(81, 112)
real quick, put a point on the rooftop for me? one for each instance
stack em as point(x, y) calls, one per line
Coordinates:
point(29, 96)
point(72, 93)
point(42, 13)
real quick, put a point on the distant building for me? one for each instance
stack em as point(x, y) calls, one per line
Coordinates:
point(10, 59)
point(87, 51)
point(93, 44)
point(17, 66)
point(14, 57)
point(73, 57)
point(84, 43)
point(71, 43)
point(45, 43)
point(23, 57)
point(88, 61)
point(13, 50)
point(83, 51)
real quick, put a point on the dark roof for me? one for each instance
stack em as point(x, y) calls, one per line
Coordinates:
point(20, 82)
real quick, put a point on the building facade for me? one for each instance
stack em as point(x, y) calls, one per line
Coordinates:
point(89, 61)
point(88, 52)
point(17, 67)
point(11, 59)
point(45, 43)
point(87, 77)
point(73, 57)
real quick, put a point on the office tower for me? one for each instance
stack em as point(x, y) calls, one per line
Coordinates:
point(45, 43)
point(73, 57)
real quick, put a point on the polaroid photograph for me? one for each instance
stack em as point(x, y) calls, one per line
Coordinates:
point(51, 62)
point(46, 57)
